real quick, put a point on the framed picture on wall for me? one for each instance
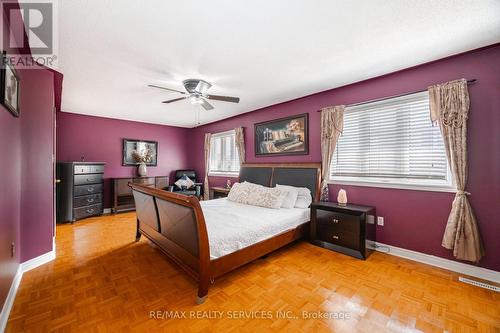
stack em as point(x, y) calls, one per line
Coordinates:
point(9, 86)
point(284, 136)
point(135, 151)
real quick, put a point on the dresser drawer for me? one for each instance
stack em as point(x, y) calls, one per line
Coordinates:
point(87, 200)
point(87, 189)
point(330, 234)
point(338, 221)
point(83, 169)
point(88, 179)
point(149, 181)
point(83, 212)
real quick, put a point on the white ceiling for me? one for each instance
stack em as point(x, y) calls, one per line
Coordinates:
point(265, 52)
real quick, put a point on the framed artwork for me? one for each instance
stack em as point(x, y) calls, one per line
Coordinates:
point(9, 86)
point(284, 136)
point(136, 152)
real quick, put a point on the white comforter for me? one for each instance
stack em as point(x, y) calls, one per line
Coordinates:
point(232, 226)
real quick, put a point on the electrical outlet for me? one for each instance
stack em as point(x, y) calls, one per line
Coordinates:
point(380, 221)
point(12, 249)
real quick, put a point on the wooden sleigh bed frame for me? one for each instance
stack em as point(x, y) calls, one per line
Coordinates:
point(176, 224)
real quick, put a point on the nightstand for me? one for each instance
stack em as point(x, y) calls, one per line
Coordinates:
point(219, 192)
point(348, 229)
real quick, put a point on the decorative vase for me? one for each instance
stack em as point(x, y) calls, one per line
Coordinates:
point(142, 170)
point(342, 197)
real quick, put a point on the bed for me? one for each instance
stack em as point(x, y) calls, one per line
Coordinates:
point(211, 238)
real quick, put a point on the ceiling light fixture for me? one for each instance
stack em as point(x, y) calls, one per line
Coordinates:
point(193, 99)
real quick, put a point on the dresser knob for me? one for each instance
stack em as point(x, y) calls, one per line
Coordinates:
point(90, 200)
point(90, 211)
point(335, 221)
point(335, 237)
point(90, 189)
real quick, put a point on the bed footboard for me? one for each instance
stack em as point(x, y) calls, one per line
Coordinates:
point(175, 223)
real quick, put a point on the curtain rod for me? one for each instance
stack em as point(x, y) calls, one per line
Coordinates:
point(472, 81)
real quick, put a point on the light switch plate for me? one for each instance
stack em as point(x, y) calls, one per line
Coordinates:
point(380, 220)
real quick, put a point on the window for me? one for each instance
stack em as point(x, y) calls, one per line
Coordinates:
point(224, 159)
point(391, 143)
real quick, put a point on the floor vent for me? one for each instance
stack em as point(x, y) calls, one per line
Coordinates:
point(479, 284)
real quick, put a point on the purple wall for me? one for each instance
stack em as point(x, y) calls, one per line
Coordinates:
point(100, 140)
point(414, 220)
point(10, 198)
point(26, 195)
point(10, 192)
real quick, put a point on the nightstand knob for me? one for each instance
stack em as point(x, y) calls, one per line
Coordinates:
point(335, 237)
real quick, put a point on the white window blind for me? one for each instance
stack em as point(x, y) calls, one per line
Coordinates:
point(224, 158)
point(391, 141)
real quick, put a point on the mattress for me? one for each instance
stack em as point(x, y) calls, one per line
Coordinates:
point(232, 226)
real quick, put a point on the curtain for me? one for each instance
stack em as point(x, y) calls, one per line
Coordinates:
point(449, 106)
point(240, 143)
point(332, 124)
point(206, 191)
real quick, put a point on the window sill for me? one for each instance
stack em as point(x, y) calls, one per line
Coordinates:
point(415, 187)
point(220, 174)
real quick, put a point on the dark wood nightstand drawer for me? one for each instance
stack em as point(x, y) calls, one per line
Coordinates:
point(330, 234)
point(338, 221)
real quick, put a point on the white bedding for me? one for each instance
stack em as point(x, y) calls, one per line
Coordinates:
point(232, 226)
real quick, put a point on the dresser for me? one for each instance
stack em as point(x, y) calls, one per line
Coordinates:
point(123, 199)
point(348, 229)
point(79, 190)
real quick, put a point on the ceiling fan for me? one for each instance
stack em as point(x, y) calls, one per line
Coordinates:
point(196, 93)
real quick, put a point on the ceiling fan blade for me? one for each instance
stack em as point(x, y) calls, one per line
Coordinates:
point(223, 98)
point(174, 100)
point(177, 91)
point(207, 106)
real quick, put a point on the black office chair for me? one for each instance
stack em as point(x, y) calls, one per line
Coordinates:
point(196, 189)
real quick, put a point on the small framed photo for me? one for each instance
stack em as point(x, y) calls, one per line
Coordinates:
point(284, 136)
point(9, 86)
point(136, 152)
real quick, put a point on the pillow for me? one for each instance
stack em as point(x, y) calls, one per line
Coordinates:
point(304, 198)
point(265, 196)
point(238, 193)
point(256, 195)
point(290, 197)
point(184, 183)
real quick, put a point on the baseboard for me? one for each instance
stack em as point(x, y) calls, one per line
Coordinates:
point(21, 269)
point(9, 301)
point(38, 261)
point(454, 266)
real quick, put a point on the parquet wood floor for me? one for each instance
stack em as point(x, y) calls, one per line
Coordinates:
point(102, 281)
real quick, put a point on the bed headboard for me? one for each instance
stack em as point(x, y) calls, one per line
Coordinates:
point(294, 174)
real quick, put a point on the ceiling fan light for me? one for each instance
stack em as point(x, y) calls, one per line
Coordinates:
point(195, 100)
